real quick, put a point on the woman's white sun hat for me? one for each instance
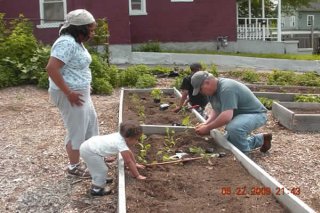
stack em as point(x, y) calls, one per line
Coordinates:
point(78, 17)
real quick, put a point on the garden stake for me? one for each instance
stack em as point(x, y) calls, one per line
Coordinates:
point(173, 162)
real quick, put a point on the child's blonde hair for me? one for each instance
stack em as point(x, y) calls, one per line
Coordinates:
point(129, 129)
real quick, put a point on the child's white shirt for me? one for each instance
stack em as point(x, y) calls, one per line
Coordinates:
point(105, 145)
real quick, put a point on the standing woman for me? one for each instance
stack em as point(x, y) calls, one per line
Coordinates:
point(69, 84)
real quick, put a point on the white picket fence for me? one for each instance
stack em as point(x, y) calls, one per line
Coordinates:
point(255, 29)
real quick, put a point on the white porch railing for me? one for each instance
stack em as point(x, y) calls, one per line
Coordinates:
point(257, 28)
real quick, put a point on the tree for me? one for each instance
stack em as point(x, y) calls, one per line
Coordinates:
point(270, 7)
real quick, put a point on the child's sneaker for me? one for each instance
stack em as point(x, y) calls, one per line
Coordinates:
point(97, 191)
point(109, 180)
point(79, 172)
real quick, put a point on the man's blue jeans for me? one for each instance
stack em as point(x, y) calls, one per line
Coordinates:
point(241, 126)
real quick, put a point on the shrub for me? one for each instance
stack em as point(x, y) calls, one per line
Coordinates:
point(101, 86)
point(146, 81)
point(281, 78)
point(8, 77)
point(308, 79)
point(150, 46)
point(43, 81)
point(213, 70)
point(114, 76)
point(250, 76)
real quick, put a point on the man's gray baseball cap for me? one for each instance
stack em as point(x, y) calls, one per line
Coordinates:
point(197, 80)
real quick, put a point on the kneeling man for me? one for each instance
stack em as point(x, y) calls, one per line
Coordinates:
point(235, 106)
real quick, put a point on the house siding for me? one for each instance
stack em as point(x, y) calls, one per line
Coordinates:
point(303, 20)
point(201, 20)
point(116, 12)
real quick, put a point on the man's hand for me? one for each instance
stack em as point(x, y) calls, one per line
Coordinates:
point(177, 109)
point(74, 98)
point(202, 129)
point(139, 166)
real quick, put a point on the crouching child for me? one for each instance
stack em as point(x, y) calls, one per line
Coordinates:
point(93, 151)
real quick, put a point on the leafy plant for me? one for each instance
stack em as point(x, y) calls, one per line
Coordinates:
point(156, 94)
point(186, 121)
point(281, 78)
point(169, 138)
point(307, 98)
point(143, 149)
point(150, 46)
point(101, 32)
point(250, 76)
point(146, 81)
point(196, 150)
point(267, 102)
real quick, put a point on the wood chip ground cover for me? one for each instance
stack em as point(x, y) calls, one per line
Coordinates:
point(32, 158)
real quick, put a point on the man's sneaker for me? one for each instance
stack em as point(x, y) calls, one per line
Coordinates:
point(267, 137)
point(97, 191)
point(79, 172)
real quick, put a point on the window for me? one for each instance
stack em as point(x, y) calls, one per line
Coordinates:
point(292, 21)
point(310, 20)
point(181, 0)
point(137, 7)
point(52, 13)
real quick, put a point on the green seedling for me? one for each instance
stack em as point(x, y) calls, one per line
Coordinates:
point(156, 94)
point(186, 121)
point(143, 149)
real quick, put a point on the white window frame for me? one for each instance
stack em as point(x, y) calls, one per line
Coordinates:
point(51, 24)
point(308, 20)
point(292, 21)
point(141, 12)
point(181, 0)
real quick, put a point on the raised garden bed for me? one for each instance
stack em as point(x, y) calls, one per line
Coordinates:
point(297, 116)
point(284, 89)
point(197, 186)
point(268, 184)
point(141, 106)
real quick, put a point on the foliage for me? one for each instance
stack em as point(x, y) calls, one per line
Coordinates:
point(290, 78)
point(308, 79)
point(250, 76)
point(186, 121)
point(213, 70)
point(143, 149)
point(8, 77)
point(150, 46)
point(101, 86)
point(160, 70)
point(146, 81)
point(101, 32)
point(307, 98)
point(196, 150)
point(281, 78)
point(169, 138)
point(156, 93)
point(135, 99)
point(114, 75)
point(267, 102)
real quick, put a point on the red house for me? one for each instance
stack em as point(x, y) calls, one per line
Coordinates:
point(135, 21)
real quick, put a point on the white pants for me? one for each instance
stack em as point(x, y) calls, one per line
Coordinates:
point(96, 165)
point(80, 121)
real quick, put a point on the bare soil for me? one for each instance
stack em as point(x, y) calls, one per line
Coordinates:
point(152, 114)
point(197, 186)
